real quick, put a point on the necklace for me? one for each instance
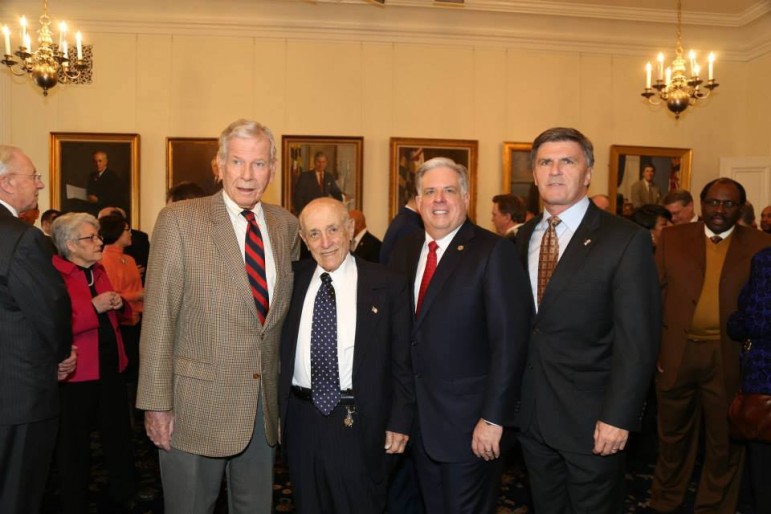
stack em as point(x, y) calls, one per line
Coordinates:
point(90, 275)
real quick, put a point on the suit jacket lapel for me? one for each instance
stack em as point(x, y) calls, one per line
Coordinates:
point(227, 245)
point(572, 258)
point(446, 268)
point(368, 312)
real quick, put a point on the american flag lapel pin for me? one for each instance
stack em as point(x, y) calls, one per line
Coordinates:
point(587, 242)
point(460, 248)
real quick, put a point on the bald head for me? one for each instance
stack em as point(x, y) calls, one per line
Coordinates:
point(19, 180)
point(327, 229)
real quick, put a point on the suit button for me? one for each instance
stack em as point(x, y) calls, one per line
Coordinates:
point(417, 375)
point(256, 376)
point(414, 343)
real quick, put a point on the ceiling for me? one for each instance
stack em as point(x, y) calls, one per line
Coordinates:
point(737, 29)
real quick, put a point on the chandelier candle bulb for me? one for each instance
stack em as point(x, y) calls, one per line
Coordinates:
point(79, 43)
point(23, 23)
point(648, 69)
point(668, 75)
point(27, 43)
point(692, 58)
point(62, 33)
point(660, 58)
point(65, 51)
point(711, 67)
point(7, 38)
point(696, 70)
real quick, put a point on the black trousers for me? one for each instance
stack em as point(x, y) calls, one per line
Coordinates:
point(469, 487)
point(759, 455)
point(564, 482)
point(25, 456)
point(326, 463)
point(105, 400)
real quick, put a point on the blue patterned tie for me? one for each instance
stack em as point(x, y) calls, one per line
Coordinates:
point(325, 375)
point(254, 256)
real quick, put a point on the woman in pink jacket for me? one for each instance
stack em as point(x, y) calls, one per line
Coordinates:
point(96, 391)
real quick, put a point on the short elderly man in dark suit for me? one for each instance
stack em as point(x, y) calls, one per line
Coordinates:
point(35, 341)
point(469, 341)
point(346, 387)
point(315, 183)
point(594, 339)
point(702, 268)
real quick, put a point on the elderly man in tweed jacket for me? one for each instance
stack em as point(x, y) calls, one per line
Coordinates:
point(208, 361)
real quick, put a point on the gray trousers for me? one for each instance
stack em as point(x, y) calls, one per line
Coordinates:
point(191, 483)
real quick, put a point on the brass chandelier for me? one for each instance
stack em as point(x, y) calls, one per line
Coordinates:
point(681, 84)
point(48, 64)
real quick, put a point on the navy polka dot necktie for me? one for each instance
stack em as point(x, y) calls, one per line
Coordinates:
point(325, 374)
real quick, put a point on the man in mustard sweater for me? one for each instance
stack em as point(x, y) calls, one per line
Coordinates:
point(702, 267)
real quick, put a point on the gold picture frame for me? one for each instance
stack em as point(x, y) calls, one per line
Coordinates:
point(518, 175)
point(407, 153)
point(673, 169)
point(345, 158)
point(191, 159)
point(72, 167)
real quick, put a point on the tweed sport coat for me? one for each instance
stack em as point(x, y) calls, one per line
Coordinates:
point(203, 352)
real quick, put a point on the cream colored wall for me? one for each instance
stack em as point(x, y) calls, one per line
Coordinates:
point(163, 85)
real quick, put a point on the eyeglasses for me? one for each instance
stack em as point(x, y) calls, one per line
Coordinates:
point(727, 204)
point(92, 237)
point(37, 177)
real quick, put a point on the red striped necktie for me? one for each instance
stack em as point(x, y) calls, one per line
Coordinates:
point(254, 256)
point(427, 274)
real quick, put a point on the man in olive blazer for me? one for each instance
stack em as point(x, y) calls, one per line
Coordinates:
point(208, 366)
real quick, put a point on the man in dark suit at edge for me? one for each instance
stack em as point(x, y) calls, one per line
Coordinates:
point(469, 342)
point(35, 341)
point(594, 338)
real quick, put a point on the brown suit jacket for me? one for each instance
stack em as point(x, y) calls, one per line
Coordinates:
point(681, 260)
point(203, 352)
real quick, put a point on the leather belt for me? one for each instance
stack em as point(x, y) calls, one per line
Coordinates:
point(303, 393)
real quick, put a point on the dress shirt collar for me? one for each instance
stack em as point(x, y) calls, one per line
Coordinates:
point(235, 211)
point(570, 218)
point(445, 241)
point(723, 235)
point(339, 274)
point(10, 208)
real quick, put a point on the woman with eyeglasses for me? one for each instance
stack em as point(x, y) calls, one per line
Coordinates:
point(97, 389)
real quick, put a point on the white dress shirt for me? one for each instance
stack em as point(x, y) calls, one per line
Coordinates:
point(8, 206)
point(239, 226)
point(570, 219)
point(442, 246)
point(345, 281)
point(723, 235)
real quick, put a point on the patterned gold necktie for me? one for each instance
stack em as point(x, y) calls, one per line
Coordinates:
point(549, 255)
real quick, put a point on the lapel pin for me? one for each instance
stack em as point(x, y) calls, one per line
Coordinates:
point(460, 248)
point(374, 310)
point(587, 242)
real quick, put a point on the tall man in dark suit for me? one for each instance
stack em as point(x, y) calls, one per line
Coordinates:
point(315, 183)
point(594, 338)
point(340, 453)
point(469, 340)
point(702, 267)
point(364, 244)
point(35, 335)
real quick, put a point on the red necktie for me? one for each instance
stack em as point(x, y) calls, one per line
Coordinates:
point(427, 273)
point(254, 256)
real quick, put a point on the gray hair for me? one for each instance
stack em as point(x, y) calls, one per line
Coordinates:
point(65, 228)
point(246, 129)
point(442, 162)
point(7, 154)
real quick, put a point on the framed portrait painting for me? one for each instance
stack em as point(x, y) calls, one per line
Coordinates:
point(193, 159)
point(518, 175)
point(90, 171)
point(669, 168)
point(408, 154)
point(319, 166)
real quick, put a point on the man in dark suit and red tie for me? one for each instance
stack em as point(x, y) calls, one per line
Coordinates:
point(35, 341)
point(346, 390)
point(594, 338)
point(315, 183)
point(469, 340)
